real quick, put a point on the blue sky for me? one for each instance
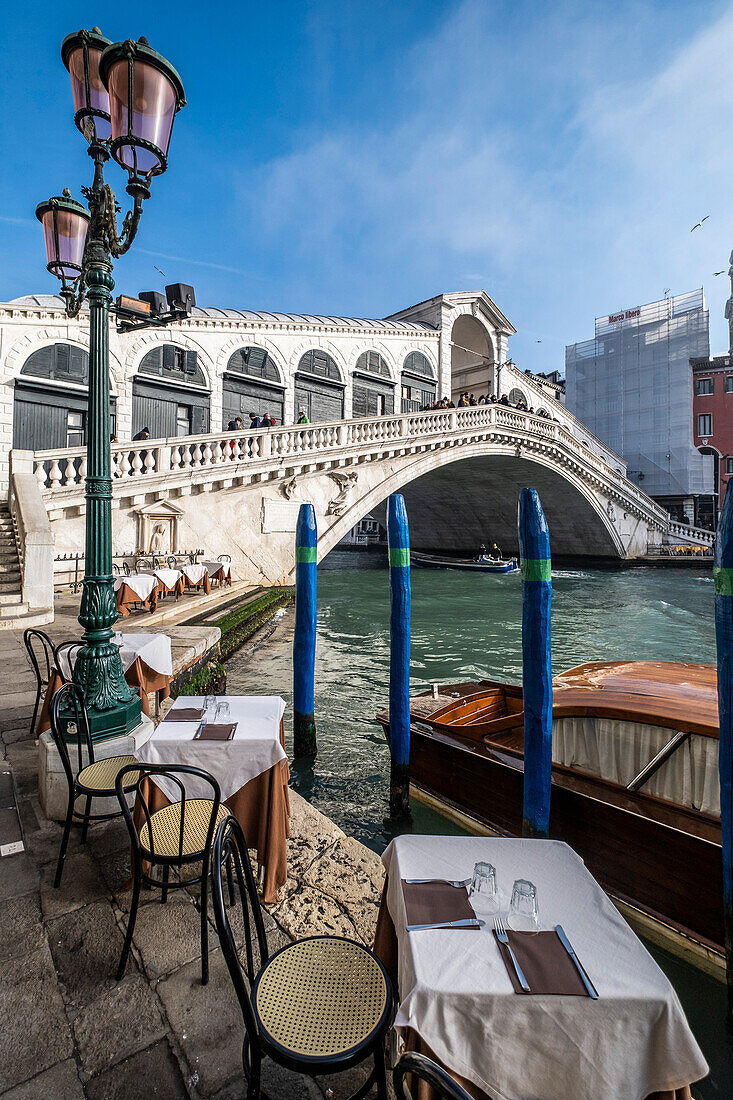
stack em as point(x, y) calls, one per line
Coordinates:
point(356, 157)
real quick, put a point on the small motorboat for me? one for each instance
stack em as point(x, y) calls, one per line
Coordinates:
point(635, 784)
point(481, 564)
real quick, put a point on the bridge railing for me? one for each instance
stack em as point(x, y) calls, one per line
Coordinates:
point(61, 472)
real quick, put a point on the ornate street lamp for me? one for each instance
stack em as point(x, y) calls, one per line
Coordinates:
point(125, 98)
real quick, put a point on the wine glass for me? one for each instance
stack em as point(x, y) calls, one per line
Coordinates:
point(482, 891)
point(524, 914)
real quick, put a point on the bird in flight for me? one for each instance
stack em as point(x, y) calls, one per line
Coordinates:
point(538, 341)
point(699, 223)
point(159, 271)
point(719, 272)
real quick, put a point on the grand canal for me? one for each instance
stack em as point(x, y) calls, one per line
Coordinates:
point(463, 627)
point(469, 626)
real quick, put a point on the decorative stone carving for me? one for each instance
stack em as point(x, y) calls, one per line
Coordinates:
point(346, 482)
point(288, 488)
point(158, 528)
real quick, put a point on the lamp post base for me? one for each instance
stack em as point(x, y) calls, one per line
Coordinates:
point(117, 721)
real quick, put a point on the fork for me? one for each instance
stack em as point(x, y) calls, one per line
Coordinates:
point(447, 882)
point(503, 938)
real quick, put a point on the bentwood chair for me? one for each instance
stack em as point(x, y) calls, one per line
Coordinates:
point(317, 1006)
point(93, 779)
point(41, 653)
point(176, 835)
point(64, 655)
point(423, 1069)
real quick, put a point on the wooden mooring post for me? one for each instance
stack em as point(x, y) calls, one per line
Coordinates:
point(534, 550)
point(398, 542)
point(723, 576)
point(304, 642)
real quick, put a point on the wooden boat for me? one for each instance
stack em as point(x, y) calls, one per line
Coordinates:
point(635, 785)
point(483, 564)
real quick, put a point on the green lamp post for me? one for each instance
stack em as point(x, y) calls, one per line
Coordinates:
point(126, 97)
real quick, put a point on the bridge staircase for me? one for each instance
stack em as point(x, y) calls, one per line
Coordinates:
point(12, 606)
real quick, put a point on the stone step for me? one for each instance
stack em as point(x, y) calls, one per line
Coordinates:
point(10, 599)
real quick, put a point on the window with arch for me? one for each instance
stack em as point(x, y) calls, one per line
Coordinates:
point(174, 364)
point(319, 363)
point(542, 411)
point(59, 363)
point(417, 363)
point(371, 362)
point(255, 362)
point(516, 397)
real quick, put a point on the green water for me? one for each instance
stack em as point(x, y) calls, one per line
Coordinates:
point(466, 627)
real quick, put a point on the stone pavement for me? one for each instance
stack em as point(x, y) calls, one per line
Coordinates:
point(69, 1029)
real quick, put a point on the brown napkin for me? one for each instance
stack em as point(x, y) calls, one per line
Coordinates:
point(213, 731)
point(184, 714)
point(436, 902)
point(546, 964)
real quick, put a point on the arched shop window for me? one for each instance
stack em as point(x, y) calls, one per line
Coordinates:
point(515, 396)
point(50, 399)
point(417, 382)
point(251, 383)
point(319, 391)
point(371, 362)
point(169, 395)
point(373, 389)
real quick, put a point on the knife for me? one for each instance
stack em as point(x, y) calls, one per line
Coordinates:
point(467, 922)
point(592, 991)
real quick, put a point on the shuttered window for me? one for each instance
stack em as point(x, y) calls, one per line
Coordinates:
point(319, 363)
point(373, 363)
point(255, 362)
point(61, 362)
point(370, 401)
point(173, 364)
point(417, 363)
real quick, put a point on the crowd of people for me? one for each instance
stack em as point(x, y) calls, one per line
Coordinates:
point(465, 399)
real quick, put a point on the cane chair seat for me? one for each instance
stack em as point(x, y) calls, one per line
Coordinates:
point(100, 776)
point(166, 828)
point(320, 997)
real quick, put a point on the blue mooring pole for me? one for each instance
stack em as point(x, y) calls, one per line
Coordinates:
point(304, 642)
point(398, 541)
point(723, 576)
point(534, 550)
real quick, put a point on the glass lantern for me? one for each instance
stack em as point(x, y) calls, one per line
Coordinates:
point(145, 92)
point(80, 54)
point(65, 223)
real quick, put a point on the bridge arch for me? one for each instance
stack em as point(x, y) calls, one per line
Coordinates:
point(469, 494)
point(473, 357)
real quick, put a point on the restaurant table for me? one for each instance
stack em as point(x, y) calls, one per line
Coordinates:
point(251, 769)
point(197, 576)
point(169, 580)
point(220, 571)
point(146, 663)
point(457, 1003)
point(136, 588)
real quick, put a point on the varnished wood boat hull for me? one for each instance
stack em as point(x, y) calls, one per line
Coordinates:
point(673, 875)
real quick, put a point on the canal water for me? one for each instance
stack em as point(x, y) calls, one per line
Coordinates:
point(466, 627)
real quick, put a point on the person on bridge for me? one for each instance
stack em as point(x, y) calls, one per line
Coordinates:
point(144, 433)
point(254, 420)
point(303, 418)
point(267, 421)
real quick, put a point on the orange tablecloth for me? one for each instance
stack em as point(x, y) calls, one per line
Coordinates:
point(139, 676)
point(126, 596)
point(204, 583)
point(385, 946)
point(221, 577)
point(262, 808)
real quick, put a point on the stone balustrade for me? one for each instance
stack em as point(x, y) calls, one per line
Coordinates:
point(61, 473)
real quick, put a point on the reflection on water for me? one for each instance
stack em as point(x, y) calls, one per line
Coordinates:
point(464, 627)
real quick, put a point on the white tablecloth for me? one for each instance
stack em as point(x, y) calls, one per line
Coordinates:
point(195, 573)
point(153, 649)
point(142, 584)
point(213, 567)
point(457, 996)
point(254, 748)
point(168, 577)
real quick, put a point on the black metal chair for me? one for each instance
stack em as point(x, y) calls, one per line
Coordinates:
point(93, 779)
point(126, 569)
point(65, 653)
point(41, 652)
point(144, 563)
point(224, 557)
point(317, 1006)
point(177, 835)
point(422, 1068)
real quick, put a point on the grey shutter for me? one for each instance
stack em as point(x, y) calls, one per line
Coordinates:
point(191, 364)
point(361, 401)
point(62, 358)
point(169, 357)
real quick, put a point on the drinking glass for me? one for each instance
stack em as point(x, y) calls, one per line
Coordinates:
point(482, 891)
point(209, 709)
point(222, 711)
point(524, 915)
